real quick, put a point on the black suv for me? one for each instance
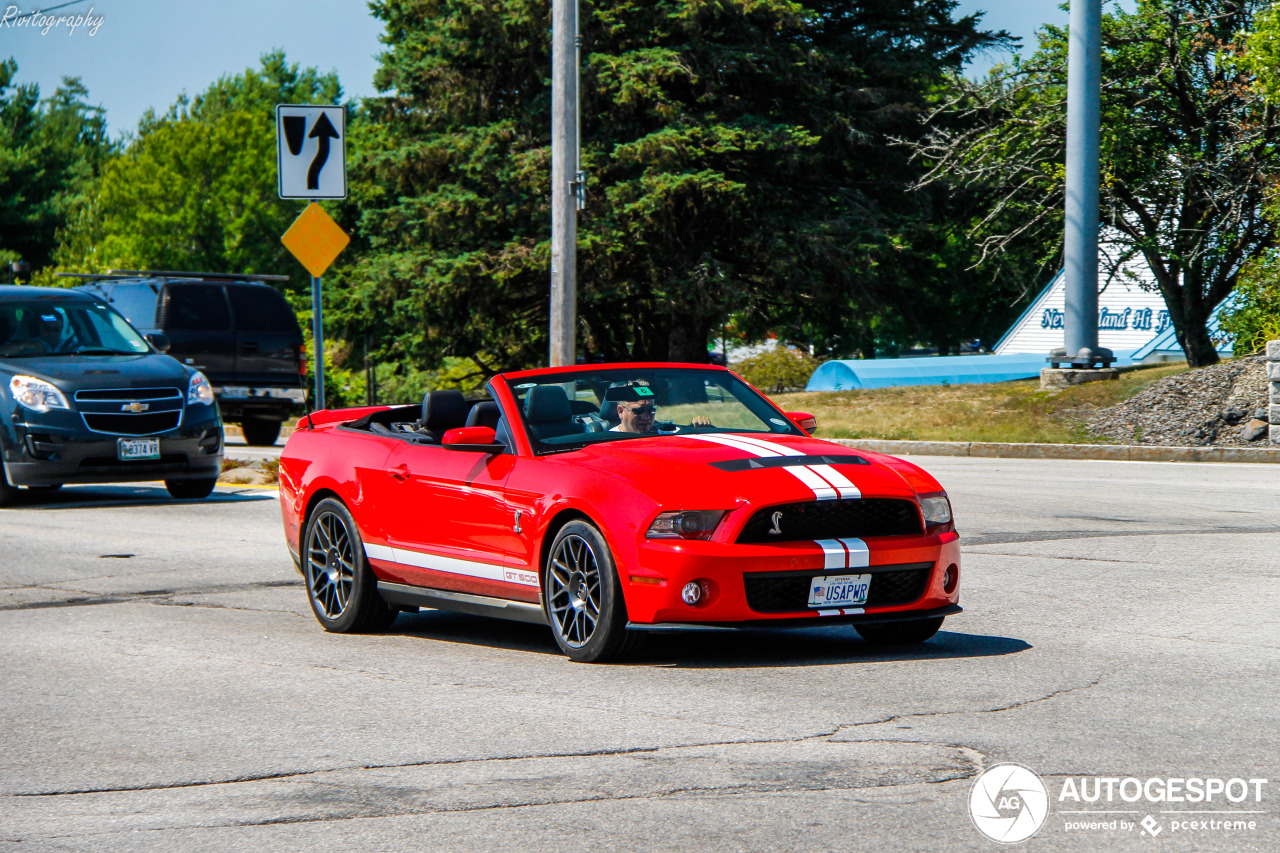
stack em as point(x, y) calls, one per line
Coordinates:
point(236, 328)
point(86, 399)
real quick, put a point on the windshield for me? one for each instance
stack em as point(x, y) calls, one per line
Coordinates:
point(568, 410)
point(45, 327)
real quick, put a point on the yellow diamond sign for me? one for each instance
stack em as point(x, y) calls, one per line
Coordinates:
point(315, 239)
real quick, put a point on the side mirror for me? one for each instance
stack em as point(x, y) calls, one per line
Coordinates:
point(159, 340)
point(805, 421)
point(475, 439)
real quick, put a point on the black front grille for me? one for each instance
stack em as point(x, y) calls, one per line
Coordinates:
point(779, 593)
point(858, 518)
point(128, 395)
point(107, 464)
point(126, 424)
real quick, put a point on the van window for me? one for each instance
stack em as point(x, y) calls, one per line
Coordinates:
point(137, 302)
point(197, 308)
point(260, 309)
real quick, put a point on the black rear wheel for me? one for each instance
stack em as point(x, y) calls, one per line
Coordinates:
point(260, 432)
point(341, 587)
point(900, 633)
point(191, 489)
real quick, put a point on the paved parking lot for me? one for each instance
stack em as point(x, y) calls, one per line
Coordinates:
point(166, 688)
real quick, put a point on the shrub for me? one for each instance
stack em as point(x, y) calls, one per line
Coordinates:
point(1255, 319)
point(778, 370)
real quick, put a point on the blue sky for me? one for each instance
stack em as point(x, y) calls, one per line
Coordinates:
point(145, 52)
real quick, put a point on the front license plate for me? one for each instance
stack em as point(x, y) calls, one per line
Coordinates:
point(129, 449)
point(235, 390)
point(839, 590)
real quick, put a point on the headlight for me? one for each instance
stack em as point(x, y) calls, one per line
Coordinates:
point(36, 394)
point(936, 509)
point(689, 524)
point(199, 390)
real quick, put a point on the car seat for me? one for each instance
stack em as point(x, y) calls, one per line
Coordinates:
point(548, 413)
point(441, 412)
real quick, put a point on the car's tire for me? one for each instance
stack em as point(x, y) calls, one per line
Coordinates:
point(341, 587)
point(583, 597)
point(900, 633)
point(8, 493)
point(191, 489)
point(260, 432)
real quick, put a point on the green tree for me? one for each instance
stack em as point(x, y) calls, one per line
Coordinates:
point(1187, 147)
point(196, 187)
point(51, 151)
point(738, 158)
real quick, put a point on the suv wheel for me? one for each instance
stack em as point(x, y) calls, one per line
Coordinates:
point(260, 432)
point(7, 492)
point(191, 489)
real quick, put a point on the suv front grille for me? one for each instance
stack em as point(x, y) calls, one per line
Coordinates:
point(144, 424)
point(890, 585)
point(857, 518)
point(127, 395)
point(108, 410)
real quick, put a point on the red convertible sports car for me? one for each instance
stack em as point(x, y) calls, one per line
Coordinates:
point(604, 500)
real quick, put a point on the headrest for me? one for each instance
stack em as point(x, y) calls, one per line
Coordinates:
point(547, 404)
point(484, 414)
point(443, 409)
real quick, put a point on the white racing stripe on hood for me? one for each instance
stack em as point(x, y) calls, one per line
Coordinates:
point(826, 483)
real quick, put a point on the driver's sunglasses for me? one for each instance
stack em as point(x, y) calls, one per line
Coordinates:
point(643, 410)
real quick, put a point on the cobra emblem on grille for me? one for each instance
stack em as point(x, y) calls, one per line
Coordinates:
point(135, 407)
point(776, 530)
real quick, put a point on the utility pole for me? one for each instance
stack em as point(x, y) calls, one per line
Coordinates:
point(1080, 247)
point(567, 181)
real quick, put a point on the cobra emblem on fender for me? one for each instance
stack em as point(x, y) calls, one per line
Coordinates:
point(776, 530)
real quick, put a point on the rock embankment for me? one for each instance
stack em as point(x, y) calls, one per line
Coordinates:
point(1221, 405)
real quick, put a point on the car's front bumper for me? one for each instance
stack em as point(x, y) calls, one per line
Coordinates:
point(46, 451)
point(731, 577)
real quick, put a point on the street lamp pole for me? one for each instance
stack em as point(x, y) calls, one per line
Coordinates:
point(567, 196)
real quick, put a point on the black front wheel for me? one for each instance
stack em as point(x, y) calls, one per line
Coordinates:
point(583, 596)
point(8, 493)
point(191, 489)
point(899, 633)
point(340, 585)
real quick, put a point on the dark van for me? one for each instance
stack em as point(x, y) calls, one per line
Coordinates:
point(89, 400)
point(237, 329)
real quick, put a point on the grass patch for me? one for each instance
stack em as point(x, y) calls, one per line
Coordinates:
point(1004, 411)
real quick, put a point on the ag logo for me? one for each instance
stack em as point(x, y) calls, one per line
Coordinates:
point(1008, 803)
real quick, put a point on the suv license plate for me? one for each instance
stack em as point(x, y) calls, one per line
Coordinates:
point(129, 449)
point(839, 590)
point(235, 390)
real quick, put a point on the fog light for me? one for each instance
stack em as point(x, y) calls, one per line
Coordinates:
point(692, 593)
point(951, 579)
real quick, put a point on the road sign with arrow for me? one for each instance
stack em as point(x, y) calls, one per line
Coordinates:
point(311, 151)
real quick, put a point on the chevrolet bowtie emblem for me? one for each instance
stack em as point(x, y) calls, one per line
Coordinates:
point(135, 407)
point(776, 530)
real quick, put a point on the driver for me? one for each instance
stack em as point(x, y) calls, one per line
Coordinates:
point(637, 410)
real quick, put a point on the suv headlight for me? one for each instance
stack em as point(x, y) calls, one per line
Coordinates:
point(199, 390)
point(689, 524)
point(937, 512)
point(36, 394)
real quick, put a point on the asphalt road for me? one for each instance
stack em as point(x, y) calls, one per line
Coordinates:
point(165, 688)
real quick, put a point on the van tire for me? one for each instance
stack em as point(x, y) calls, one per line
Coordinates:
point(260, 432)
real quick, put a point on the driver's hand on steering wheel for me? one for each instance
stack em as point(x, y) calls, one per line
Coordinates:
point(701, 420)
